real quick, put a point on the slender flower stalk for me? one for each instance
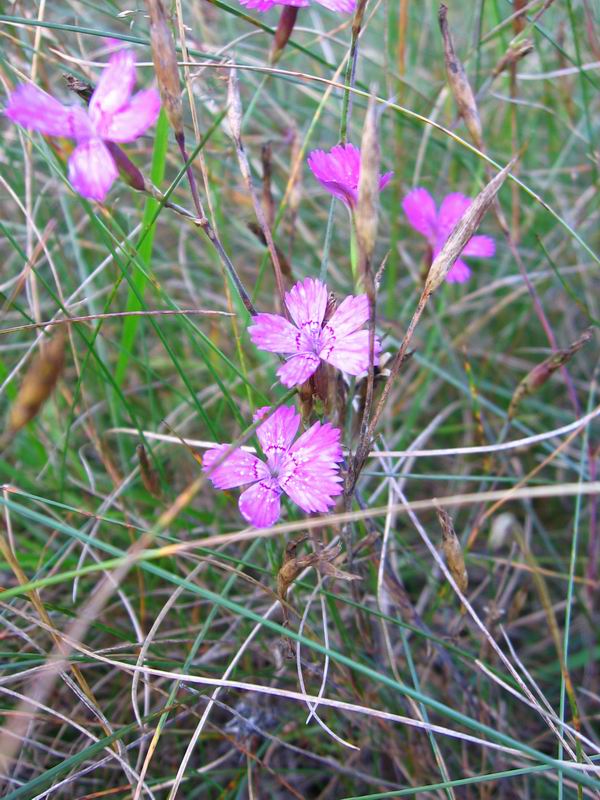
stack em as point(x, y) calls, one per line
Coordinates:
point(436, 226)
point(113, 115)
point(307, 470)
point(311, 337)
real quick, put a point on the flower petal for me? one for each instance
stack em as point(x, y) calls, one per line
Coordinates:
point(277, 433)
point(459, 273)
point(480, 247)
point(348, 317)
point(385, 179)
point(453, 207)
point(307, 302)
point(309, 473)
point(238, 469)
point(339, 6)
point(260, 504)
point(92, 170)
point(38, 111)
point(298, 369)
point(265, 5)
point(134, 119)
point(419, 207)
point(351, 353)
point(274, 333)
point(338, 171)
point(114, 88)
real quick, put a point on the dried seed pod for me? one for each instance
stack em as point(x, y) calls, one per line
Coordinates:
point(453, 550)
point(234, 107)
point(267, 193)
point(164, 56)
point(543, 372)
point(367, 208)
point(465, 228)
point(459, 83)
point(149, 475)
point(295, 191)
point(38, 383)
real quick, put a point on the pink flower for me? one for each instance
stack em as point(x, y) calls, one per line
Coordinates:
point(338, 6)
point(307, 471)
point(113, 115)
point(339, 170)
point(436, 226)
point(310, 338)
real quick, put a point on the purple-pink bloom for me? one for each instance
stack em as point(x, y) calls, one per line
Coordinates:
point(339, 170)
point(338, 6)
point(436, 226)
point(310, 338)
point(307, 470)
point(113, 115)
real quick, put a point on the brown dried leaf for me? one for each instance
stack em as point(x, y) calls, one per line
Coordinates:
point(329, 569)
point(453, 550)
point(459, 83)
point(38, 383)
point(292, 566)
point(542, 372)
point(465, 228)
point(164, 56)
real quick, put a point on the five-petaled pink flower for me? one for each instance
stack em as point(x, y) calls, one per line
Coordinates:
point(113, 115)
point(307, 470)
point(339, 6)
point(436, 226)
point(312, 338)
point(339, 170)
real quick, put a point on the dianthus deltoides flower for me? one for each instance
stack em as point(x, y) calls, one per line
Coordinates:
point(307, 470)
point(113, 115)
point(339, 170)
point(311, 338)
point(338, 6)
point(436, 226)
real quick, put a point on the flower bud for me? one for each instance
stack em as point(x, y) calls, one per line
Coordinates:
point(285, 26)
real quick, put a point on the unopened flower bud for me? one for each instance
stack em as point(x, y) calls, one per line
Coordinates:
point(285, 26)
